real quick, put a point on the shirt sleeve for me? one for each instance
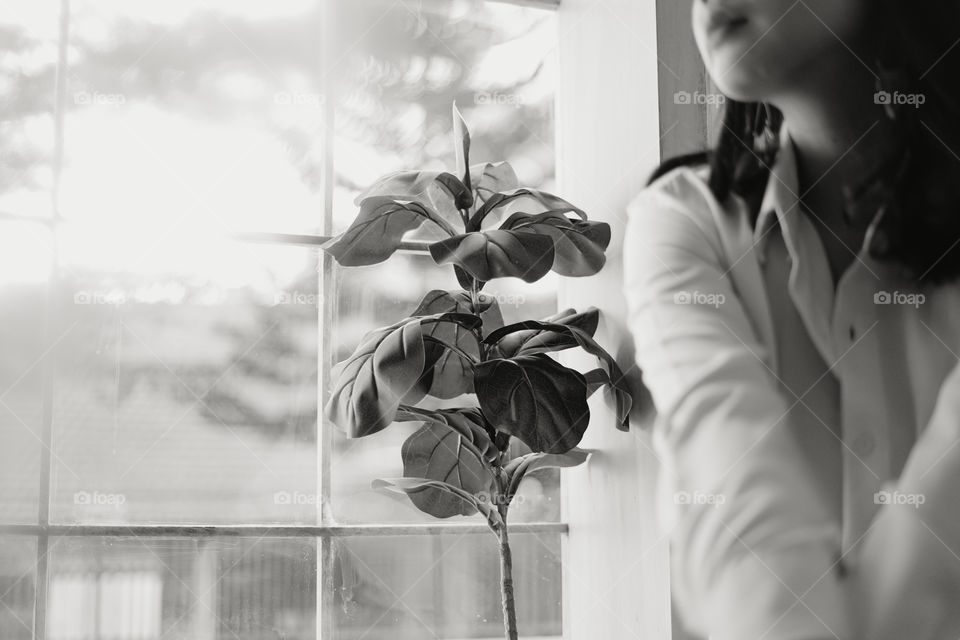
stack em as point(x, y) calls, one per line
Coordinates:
point(908, 572)
point(753, 550)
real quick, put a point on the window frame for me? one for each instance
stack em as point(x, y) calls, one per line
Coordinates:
point(326, 530)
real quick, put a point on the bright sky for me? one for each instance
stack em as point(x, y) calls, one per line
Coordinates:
point(155, 189)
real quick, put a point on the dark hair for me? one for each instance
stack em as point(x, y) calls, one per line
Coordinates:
point(919, 189)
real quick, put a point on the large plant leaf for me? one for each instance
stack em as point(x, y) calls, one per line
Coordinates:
point(468, 422)
point(385, 369)
point(554, 337)
point(450, 375)
point(578, 245)
point(486, 255)
point(535, 399)
point(530, 201)
point(491, 178)
point(438, 191)
point(518, 468)
point(437, 452)
point(378, 230)
point(414, 486)
point(515, 341)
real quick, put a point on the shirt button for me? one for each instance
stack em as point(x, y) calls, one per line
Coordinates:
point(863, 444)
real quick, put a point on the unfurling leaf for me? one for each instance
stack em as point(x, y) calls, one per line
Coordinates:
point(535, 399)
point(450, 375)
point(520, 467)
point(461, 148)
point(486, 255)
point(578, 245)
point(379, 228)
point(437, 452)
point(385, 370)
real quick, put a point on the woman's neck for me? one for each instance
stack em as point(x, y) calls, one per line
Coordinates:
point(839, 131)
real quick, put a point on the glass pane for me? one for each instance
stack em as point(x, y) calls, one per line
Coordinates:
point(189, 116)
point(407, 64)
point(28, 57)
point(186, 382)
point(403, 64)
point(18, 574)
point(26, 254)
point(410, 588)
point(202, 589)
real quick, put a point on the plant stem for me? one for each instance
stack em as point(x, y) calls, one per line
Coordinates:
point(506, 585)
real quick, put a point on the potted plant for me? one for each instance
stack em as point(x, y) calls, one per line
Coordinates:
point(460, 462)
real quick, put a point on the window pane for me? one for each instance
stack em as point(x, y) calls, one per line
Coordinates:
point(18, 573)
point(406, 65)
point(410, 588)
point(202, 589)
point(28, 57)
point(194, 116)
point(26, 253)
point(186, 382)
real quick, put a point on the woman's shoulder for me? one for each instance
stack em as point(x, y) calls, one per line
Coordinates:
point(678, 207)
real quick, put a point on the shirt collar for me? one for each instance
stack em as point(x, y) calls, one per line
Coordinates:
point(781, 201)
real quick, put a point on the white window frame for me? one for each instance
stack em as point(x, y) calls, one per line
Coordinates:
point(621, 62)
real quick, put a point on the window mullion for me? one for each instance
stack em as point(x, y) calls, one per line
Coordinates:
point(327, 309)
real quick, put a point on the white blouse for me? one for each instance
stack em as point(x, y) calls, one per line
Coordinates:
point(810, 478)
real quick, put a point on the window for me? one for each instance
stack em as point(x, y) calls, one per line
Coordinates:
point(169, 170)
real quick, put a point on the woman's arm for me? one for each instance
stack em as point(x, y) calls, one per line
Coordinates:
point(754, 550)
point(908, 572)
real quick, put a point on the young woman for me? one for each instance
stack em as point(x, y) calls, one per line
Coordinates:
point(795, 304)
